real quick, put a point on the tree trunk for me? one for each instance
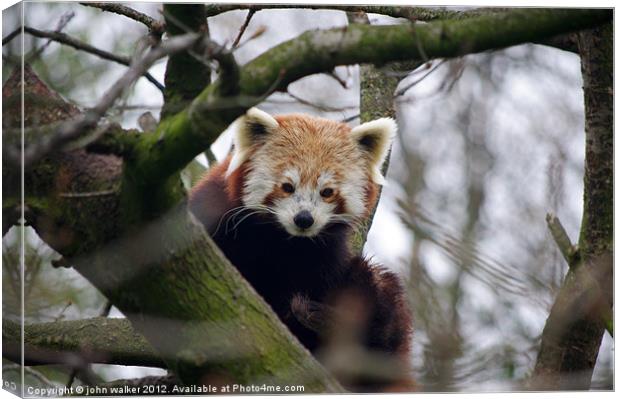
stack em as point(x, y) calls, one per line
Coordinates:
point(575, 327)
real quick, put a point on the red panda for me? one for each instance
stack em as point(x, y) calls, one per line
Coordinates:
point(282, 208)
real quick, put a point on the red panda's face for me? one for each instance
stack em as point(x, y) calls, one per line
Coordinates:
point(309, 172)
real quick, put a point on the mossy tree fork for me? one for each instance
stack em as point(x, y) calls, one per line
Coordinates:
point(178, 290)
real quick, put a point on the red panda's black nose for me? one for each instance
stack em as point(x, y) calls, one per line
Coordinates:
point(303, 219)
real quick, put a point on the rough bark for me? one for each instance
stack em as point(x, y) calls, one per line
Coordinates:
point(185, 75)
point(97, 340)
point(413, 14)
point(170, 280)
point(575, 327)
point(377, 89)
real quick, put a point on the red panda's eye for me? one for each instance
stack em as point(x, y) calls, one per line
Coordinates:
point(288, 188)
point(327, 192)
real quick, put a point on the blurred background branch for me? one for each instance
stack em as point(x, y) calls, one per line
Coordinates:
point(80, 46)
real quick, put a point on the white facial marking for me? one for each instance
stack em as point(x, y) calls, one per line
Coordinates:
point(293, 176)
point(305, 198)
point(353, 190)
point(259, 182)
point(325, 180)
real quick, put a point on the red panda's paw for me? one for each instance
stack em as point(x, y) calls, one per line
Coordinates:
point(311, 314)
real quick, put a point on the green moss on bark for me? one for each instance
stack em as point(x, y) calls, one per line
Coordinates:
point(322, 50)
point(171, 281)
point(185, 76)
point(100, 340)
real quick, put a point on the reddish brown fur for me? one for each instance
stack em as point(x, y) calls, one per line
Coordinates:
point(313, 155)
point(305, 281)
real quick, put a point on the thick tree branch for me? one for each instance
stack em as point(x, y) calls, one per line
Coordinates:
point(189, 132)
point(152, 276)
point(79, 342)
point(186, 73)
point(410, 13)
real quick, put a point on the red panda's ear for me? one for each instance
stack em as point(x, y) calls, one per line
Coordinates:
point(375, 138)
point(248, 130)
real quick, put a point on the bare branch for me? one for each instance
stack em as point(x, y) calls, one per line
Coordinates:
point(76, 127)
point(562, 240)
point(155, 26)
point(79, 45)
point(248, 18)
point(322, 107)
point(409, 86)
point(11, 36)
point(64, 20)
point(337, 78)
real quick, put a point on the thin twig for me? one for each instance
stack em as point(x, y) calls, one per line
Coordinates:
point(409, 86)
point(248, 18)
point(64, 20)
point(338, 79)
point(209, 51)
point(61, 314)
point(79, 45)
point(350, 118)
point(154, 25)
point(257, 33)
point(561, 239)
point(73, 128)
point(322, 107)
